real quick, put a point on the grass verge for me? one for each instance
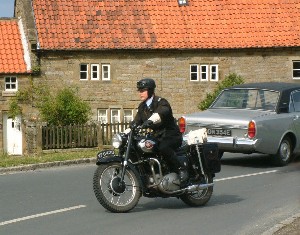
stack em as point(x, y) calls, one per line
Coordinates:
point(10, 161)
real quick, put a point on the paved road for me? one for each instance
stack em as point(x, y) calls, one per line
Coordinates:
point(249, 198)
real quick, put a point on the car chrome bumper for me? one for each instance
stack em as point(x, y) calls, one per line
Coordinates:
point(233, 144)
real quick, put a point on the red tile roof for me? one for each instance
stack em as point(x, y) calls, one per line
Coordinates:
point(163, 24)
point(11, 50)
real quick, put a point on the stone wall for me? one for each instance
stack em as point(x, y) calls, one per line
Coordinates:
point(30, 136)
point(170, 69)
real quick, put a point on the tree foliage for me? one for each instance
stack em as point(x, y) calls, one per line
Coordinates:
point(63, 108)
point(23, 96)
point(230, 80)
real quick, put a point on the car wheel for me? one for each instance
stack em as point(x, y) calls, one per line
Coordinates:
point(284, 153)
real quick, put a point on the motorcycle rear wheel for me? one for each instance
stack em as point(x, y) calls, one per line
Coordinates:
point(112, 194)
point(201, 197)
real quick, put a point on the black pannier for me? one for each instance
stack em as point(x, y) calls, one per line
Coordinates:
point(210, 156)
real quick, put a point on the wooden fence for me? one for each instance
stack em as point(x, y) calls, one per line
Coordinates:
point(108, 130)
point(80, 136)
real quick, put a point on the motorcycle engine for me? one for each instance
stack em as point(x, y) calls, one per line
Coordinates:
point(169, 183)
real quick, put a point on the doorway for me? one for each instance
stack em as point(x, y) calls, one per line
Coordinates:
point(12, 135)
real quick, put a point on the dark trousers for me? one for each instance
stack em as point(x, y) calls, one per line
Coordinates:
point(167, 146)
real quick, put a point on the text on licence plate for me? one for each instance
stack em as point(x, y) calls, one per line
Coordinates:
point(220, 132)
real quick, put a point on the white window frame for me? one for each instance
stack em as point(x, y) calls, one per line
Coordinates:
point(202, 72)
point(105, 72)
point(128, 116)
point(216, 73)
point(113, 115)
point(102, 118)
point(95, 71)
point(298, 70)
point(193, 73)
point(10, 83)
point(86, 72)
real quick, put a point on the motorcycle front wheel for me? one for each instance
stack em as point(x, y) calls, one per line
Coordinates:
point(112, 193)
point(199, 197)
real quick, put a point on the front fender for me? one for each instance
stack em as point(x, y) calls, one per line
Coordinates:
point(108, 160)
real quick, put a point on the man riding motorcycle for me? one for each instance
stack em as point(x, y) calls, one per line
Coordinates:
point(155, 112)
point(138, 167)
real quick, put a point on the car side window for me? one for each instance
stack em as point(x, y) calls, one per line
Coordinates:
point(295, 101)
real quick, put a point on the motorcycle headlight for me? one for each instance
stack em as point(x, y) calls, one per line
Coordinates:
point(116, 141)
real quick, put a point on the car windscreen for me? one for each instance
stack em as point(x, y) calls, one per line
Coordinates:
point(247, 99)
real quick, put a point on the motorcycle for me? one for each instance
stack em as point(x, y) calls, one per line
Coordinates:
point(135, 168)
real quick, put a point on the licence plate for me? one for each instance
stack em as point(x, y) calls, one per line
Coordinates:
point(219, 132)
point(105, 154)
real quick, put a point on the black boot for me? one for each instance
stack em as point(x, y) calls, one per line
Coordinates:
point(178, 164)
point(182, 171)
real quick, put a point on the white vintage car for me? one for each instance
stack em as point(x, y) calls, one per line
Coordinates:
point(252, 118)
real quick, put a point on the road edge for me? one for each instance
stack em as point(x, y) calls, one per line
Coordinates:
point(32, 167)
point(281, 224)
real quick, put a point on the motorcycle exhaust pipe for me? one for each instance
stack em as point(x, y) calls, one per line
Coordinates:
point(196, 187)
point(191, 188)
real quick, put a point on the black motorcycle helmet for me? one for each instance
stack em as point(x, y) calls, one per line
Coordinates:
point(146, 84)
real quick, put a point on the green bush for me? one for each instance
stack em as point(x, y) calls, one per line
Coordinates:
point(230, 80)
point(14, 108)
point(64, 109)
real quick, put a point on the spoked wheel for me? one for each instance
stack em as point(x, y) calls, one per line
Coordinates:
point(199, 197)
point(114, 194)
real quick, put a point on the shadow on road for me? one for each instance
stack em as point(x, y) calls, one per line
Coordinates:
point(224, 199)
point(251, 160)
point(174, 203)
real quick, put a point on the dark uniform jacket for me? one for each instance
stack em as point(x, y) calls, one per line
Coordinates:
point(167, 127)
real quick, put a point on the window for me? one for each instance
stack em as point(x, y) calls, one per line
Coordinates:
point(83, 72)
point(296, 69)
point(204, 72)
point(11, 84)
point(214, 73)
point(247, 99)
point(105, 72)
point(128, 115)
point(295, 101)
point(94, 71)
point(102, 115)
point(115, 116)
point(194, 72)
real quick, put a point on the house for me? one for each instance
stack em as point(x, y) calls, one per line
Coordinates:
point(15, 69)
point(187, 46)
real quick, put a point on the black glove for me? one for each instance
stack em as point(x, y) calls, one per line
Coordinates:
point(147, 124)
point(132, 125)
